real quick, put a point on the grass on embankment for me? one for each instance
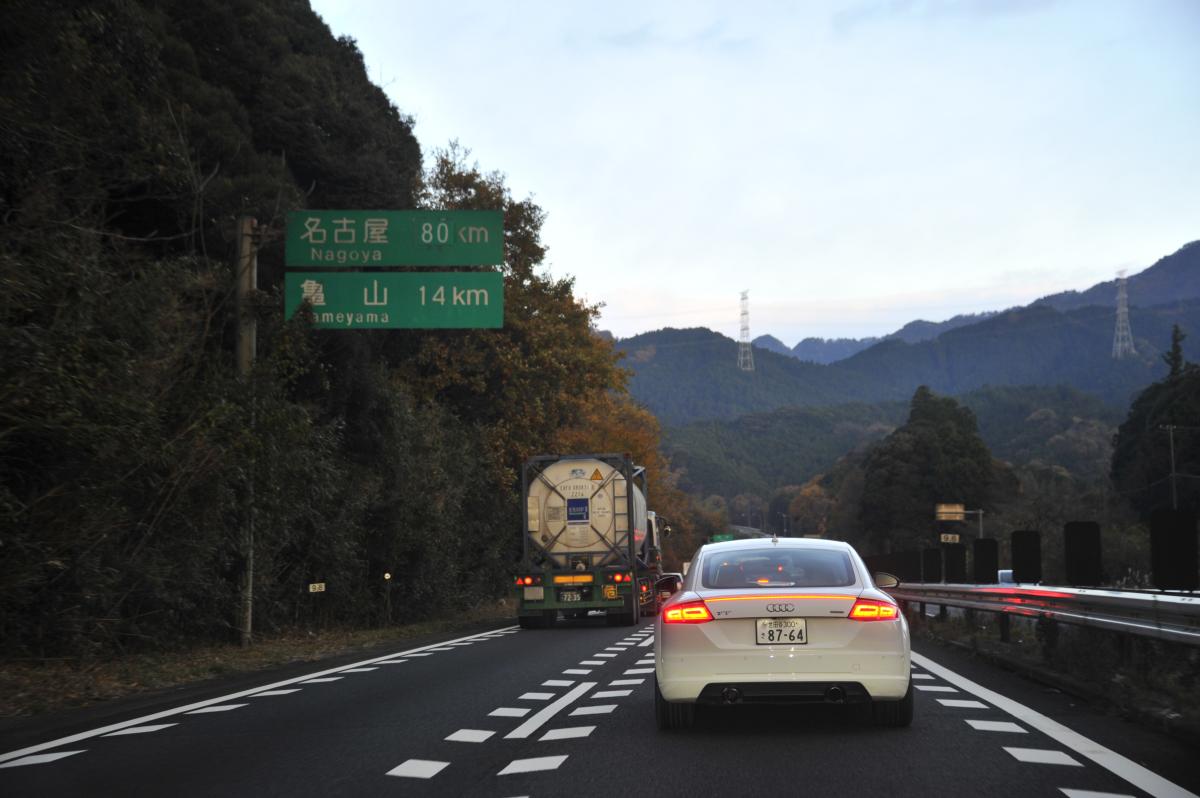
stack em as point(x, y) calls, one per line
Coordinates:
point(30, 688)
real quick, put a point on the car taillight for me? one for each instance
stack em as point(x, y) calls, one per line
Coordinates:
point(688, 612)
point(873, 610)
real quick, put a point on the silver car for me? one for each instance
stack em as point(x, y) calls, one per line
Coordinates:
point(782, 620)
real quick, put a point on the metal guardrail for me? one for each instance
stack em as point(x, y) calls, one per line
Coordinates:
point(1166, 616)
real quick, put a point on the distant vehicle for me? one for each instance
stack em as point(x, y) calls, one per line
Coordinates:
point(590, 543)
point(1005, 577)
point(748, 606)
point(667, 586)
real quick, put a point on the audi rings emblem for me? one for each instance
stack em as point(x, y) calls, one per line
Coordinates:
point(781, 608)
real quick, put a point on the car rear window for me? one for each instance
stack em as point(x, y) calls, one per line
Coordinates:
point(774, 568)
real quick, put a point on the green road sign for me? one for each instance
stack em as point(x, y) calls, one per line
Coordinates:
point(398, 300)
point(334, 239)
point(722, 536)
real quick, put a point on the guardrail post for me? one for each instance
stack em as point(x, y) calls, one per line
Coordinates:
point(1005, 628)
point(1047, 632)
point(942, 612)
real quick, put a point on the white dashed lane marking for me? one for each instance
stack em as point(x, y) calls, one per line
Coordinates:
point(392, 662)
point(39, 759)
point(1091, 794)
point(958, 703)
point(935, 688)
point(557, 683)
point(536, 696)
point(219, 708)
point(614, 648)
point(649, 641)
point(420, 654)
point(592, 662)
point(577, 671)
point(141, 729)
point(276, 692)
point(604, 654)
point(573, 733)
point(611, 694)
point(921, 676)
point(418, 769)
point(1042, 756)
point(509, 712)
point(322, 680)
point(598, 709)
point(533, 765)
point(470, 736)
point(996, 726)
point(638, 671)
point(361, 670)
point(623, 682)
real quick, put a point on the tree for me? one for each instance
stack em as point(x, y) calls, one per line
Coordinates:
point(1174, 356)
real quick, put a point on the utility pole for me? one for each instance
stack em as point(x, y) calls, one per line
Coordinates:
point(247, 335)
point(1170, 428)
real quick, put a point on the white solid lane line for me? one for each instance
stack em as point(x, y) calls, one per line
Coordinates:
point(546, 713)
point(219, 708)
point(39, 759)
point(418, 769)
point(470, 736)
point(960, 703)
point(996, 726)
point(1042, 756)
point(191, 708)
point(573, 733)
point(598, 709)
point(533, 765)
point(141, 729)
point(1127, 769)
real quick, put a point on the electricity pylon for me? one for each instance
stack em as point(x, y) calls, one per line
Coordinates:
point(745, 353)
point(1123, 337)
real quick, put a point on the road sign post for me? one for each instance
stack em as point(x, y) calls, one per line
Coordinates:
point(398, 300)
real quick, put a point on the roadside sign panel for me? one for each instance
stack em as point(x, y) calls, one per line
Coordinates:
point(949, 538)
point(398, 300)
point(342, 239)
point(950, 512)
point(722, 536)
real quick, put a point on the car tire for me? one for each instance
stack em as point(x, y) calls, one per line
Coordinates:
point(672, 717)
point(895, 714)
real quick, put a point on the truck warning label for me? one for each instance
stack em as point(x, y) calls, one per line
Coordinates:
point(577, 511)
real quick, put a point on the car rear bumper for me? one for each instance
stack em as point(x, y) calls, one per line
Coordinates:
point(782, 687)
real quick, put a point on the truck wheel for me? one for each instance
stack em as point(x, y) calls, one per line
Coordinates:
point(530, 621)
point(549, 617)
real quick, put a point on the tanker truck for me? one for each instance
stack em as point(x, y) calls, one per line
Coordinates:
point(589, 541)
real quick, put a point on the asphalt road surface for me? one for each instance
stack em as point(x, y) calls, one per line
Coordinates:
point(570, 712)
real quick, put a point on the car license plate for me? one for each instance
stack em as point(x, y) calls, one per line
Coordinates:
point(781, 632)
point(570, 595)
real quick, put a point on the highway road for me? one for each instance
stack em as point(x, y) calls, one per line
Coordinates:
point(569, 712)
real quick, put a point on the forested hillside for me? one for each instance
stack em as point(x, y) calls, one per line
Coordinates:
point(691, 375)
point(1171, 278)
point(759, 453)
point(133, 460)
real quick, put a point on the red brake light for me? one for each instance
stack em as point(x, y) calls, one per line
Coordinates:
point(688, 612)
point(873, 610)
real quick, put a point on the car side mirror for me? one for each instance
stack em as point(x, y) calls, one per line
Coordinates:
point(886, 580)
point(668, 586)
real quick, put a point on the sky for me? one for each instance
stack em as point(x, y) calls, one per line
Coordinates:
point(853, 165)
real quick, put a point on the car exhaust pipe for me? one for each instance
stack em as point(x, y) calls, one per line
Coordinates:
point(835, 695)
point(731, 695)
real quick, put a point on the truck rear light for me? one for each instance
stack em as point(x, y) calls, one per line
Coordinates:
point(873, 610)
point(523, 581)
point(688, 612)
point(620, 577)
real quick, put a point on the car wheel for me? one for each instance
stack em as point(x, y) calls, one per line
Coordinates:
point(895, 713)
point(671, 716)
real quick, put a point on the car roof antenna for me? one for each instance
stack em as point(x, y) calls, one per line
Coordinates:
point(774, 537)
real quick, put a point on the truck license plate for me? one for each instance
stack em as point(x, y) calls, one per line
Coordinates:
point(781, 632)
